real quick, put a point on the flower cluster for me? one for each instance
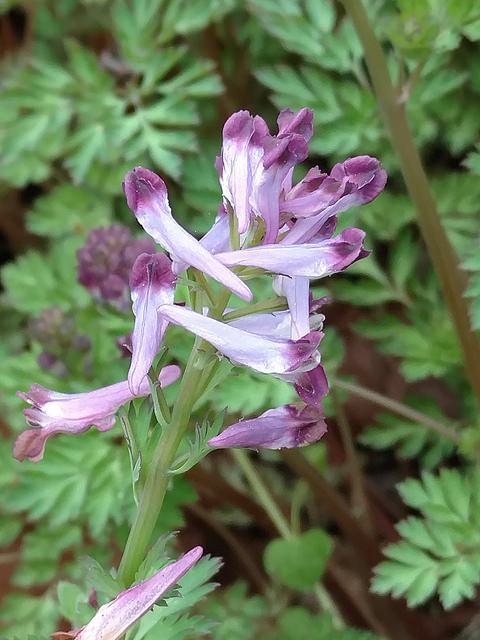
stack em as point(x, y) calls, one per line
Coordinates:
point(266, 224)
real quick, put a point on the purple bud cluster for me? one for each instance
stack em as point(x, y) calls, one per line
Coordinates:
point(105, 261)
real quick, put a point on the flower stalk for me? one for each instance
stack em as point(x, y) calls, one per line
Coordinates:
point(442, 254)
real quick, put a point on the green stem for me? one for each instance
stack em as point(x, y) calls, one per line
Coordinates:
point(157, 479)
point(400, 409)
point(281, 523)
point(262, 493)
point(452, 280)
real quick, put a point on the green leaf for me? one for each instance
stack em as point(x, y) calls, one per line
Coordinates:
point(298, 562)
point(68, 210)
point(439, 552)
point(410, 439)
point(36, 281)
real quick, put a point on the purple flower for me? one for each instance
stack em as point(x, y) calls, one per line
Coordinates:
point(312, 260)
point(262, 353)
point(241, 154)
point(281, 154)
point(114, 619)
point(319, 197)
point(105, 260)
point(312, 385)
point(300, 122)
point(152, 283)
point(147, 197)
point(53, 412)
point(285, 427)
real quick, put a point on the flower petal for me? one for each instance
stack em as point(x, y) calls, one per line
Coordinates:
point(284, 427)
point(297, 292)
point(53, 412)
point(314, 260)
point(241, 153)
point(280, 155)
point(264, 354)
point(351, 183)
point(152, 283)
point(312, 386)
point(147, 197)
point(113, 619)
point(300, 122)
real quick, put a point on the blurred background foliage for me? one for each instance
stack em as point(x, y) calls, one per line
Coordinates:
point(89, 88)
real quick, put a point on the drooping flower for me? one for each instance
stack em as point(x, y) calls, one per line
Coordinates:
point(284, 427)
point(261, 353)
point(114, 619)
point(152, 283)
point(105, 260)
point(52, 412)
point(147, 197)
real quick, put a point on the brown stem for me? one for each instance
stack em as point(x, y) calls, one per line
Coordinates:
point(452, 279)
point(357, 486)
point(400, 409)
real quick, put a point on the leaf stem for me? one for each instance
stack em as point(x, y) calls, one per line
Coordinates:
point(400, 409)
point(452, 279)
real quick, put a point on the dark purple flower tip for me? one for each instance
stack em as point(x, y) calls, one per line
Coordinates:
point(260, 130)
point(303, 348)
point(238, 125)
point(154, 269)
point(300, 122)
point(289, 149)
point(140, 186)
point(312, 386)
point(364, 173)
point(37, 395)
point(30, 445)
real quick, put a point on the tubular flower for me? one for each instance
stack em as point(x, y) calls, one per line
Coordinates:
point(312, 260)
point(281, 154)
point(282, 428)
point(114, 619)
point(254, 166)
point(147, 197)
point(310, 381)
point(241, 154)
point(319, 197)
point(152, 283)
point(261, 353)
point(52, 412)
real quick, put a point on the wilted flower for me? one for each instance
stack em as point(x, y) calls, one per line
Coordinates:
point(114, 619)
point(105, 261)
point(52, 412)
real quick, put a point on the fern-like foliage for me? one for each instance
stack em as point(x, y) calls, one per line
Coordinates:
point(439, 552)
